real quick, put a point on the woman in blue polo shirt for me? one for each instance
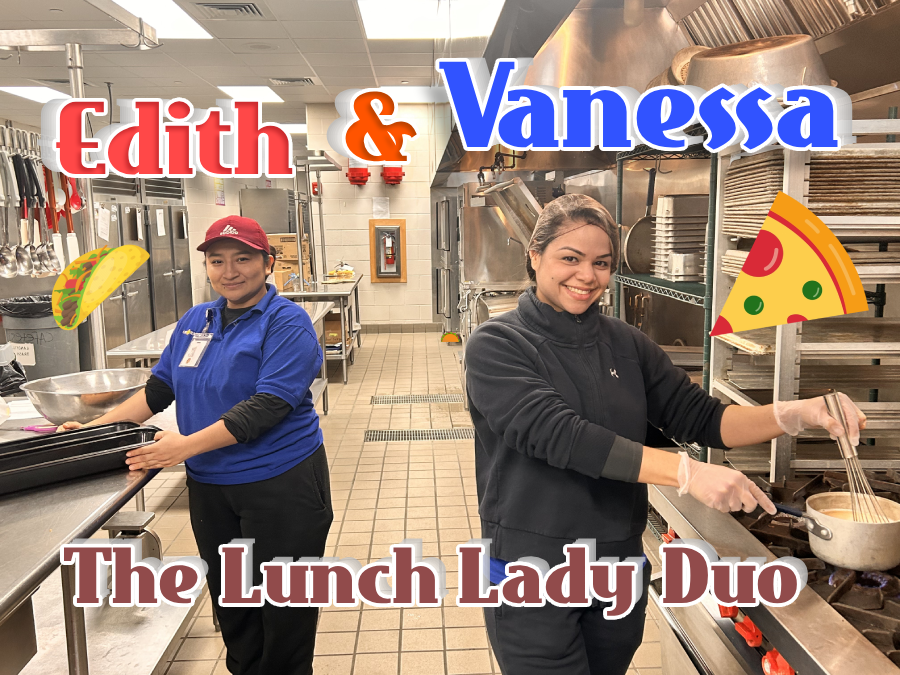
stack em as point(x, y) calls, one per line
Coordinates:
point(240, 369)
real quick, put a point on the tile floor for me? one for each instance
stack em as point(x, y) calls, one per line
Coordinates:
point(382, 493)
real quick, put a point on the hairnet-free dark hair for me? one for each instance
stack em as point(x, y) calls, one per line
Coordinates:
point(571, 209)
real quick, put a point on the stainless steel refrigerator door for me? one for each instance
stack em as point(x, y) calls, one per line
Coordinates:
point(114, 319)
point(132, 233)
point(181, 256)
point(162, 279)
point(137, 308)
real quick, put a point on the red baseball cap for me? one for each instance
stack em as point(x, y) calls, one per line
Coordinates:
point(244, 230)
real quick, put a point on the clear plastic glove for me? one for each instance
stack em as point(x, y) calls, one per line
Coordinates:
point(795, 416)
point(719, 487)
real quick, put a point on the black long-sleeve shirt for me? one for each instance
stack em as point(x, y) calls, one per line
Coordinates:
point(560, 405)
point(245, 421)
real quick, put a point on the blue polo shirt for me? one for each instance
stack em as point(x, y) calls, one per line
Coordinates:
point(271, 349)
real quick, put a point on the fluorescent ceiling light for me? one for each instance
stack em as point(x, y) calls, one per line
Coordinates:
point(429, 19)
point(293, 128)
point(39, 94)
point(169, 20)
point(253, 93)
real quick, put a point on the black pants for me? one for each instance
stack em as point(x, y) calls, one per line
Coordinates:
point(565, 640)
point(286, 516)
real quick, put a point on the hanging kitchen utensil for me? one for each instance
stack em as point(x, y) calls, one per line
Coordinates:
point(40, 204)
point(72, 252)
point(638, 239)
point(23, 252)
point(54, 244)
point(8, 264)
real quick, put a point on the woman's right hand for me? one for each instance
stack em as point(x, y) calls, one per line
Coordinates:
point(719, 487)
point(69, 426)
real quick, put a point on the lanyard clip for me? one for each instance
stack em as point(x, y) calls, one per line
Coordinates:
point(209, 319)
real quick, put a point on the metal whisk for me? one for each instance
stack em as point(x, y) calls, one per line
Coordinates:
point(863, 502)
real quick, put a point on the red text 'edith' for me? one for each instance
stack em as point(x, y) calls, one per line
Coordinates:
point(228, 140)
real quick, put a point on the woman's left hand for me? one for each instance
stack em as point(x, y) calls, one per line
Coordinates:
point(170, 448)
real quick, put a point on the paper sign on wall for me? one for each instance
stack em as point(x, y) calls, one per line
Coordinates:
point(160, 222)
point(140, 225)
point(219, 184)
point(24, 353)
point(103, 224)
point(381, 207)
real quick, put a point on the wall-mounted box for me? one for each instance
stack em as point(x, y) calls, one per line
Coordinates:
point(387, 250)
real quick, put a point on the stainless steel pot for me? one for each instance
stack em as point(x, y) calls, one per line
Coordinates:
point(866, 547)
point(787, 60)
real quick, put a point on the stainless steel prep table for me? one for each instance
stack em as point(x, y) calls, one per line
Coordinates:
point(151, 346)
point(339, 293)
point(35, 524)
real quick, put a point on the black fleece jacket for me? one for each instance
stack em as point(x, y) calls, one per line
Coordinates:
point(560, 405)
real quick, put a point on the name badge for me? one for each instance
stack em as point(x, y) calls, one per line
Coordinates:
point(195, 350)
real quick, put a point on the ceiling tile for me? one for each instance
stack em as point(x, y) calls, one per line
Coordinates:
point(261, 46)
point(263, 59)
point(293, 95)
point(32, 59)
point(322, 46)
point(245, 29)
point(152, 57)
point(283, 71)
point(404, 71)
point(401, 46)
point(412, 81)
point(392, 59)
point(323, 29)
point(344, 71)
point(215, 59)
point(193, 47)
point(175, 73)
point(348, 82)
point(339, 59)
point(215, 73)
point(312, 10)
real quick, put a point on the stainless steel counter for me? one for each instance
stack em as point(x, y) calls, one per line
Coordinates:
point(35, 524)
point(340, 293)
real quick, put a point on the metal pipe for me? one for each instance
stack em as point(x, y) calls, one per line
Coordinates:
point(617, 287)
point(139, 503)
point(76, 637)
point(322, 228)
point(96, 324)
point(710, 268)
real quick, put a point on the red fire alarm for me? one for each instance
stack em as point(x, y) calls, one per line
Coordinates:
point(392, 175)
point(315, 189)
point(358, 175)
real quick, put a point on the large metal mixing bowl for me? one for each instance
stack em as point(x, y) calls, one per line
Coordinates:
point(787, 60)
point(83, 397)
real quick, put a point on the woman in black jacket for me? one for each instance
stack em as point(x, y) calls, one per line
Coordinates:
point(561, 396)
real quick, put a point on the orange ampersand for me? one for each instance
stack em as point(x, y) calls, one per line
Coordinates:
point(388, 138)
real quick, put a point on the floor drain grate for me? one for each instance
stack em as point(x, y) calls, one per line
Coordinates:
point(398, 435)
point(417, 398)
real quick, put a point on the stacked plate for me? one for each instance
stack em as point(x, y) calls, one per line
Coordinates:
point(679, 232)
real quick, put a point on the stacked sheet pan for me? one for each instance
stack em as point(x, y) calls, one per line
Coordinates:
point(34, 462)
point(679, 237)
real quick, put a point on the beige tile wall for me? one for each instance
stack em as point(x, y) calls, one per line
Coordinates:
point(347, 210)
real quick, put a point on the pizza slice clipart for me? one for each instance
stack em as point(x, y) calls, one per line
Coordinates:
point(797, 270)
